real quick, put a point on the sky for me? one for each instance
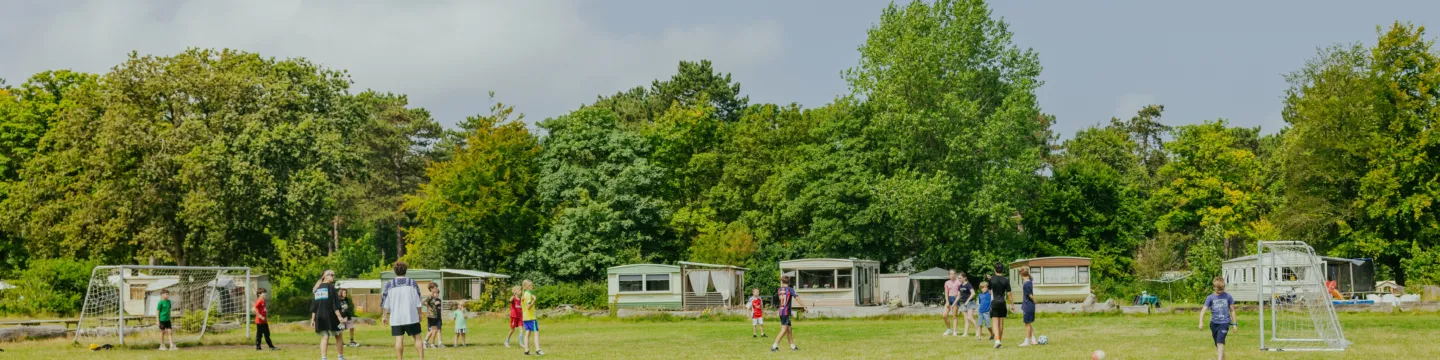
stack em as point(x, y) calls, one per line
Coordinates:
point(1203, 60)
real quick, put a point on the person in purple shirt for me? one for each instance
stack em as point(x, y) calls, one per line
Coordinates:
point(1222, 316)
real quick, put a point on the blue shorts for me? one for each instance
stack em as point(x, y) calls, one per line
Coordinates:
point(784, 320)
point(1218, 332)
point(984, 320)
point(532, 325)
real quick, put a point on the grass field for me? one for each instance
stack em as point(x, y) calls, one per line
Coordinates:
point(1376, 336)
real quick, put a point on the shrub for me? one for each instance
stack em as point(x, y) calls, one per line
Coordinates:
point(588, 295)
point(193, 319)
point(48, 286)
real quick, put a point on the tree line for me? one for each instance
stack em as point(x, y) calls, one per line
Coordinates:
point(939, 155)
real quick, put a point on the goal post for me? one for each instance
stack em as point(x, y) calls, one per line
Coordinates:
point(1295, 309)
point(122, 302)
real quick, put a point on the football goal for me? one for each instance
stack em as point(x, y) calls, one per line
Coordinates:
point(122, 302)
point(1296, 313)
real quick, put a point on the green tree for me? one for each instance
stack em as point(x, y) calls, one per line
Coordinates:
point(1092, 206)
point(396, 142)
point(606, 194)
point(198, 158)
point(1359, 163)
point(949, 108)
point(480, 209)
point(26, 115)
point(1211, 180)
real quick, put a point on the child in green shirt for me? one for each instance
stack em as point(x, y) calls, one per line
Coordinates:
point(459, 315)
point(162, 316)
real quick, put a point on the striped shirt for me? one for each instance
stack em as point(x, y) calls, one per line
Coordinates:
point(786, 294)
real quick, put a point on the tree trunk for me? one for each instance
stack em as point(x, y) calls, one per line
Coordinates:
point(399, 242)
point(335, 234)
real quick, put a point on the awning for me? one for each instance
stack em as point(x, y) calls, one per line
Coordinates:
point(474, 273)
point(687, 263)
point(359, 284)
point(161, 284)
point(932, 274)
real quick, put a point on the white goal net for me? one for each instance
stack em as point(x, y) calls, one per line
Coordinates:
point(122, 303)
point(1296, 312)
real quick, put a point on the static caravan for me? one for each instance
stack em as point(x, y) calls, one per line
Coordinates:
point(834, 282)
point(1056, 279)
point(1351, 275)
point(711, 286)
point(455, 284)
point(648, 286)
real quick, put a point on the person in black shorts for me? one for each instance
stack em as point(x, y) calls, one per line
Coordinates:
point(1000, 289)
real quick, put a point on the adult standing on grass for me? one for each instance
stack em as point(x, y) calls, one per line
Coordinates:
point(952, 298)
point(400, 304)
point(787, 298)
point(1000, 289)
point(1027, 305)
point(262, 320)
point(1222, 316)
point(967, 305)
point(532, 323)
point(325, 314)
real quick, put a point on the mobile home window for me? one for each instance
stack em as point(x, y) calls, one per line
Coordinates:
point(843, 279)
point(1059, 275)
point(817, 279)
point(632, 283)
point(1084, 275)
point(657, 282)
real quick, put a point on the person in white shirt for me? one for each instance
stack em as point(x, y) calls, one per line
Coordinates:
point(400, 298)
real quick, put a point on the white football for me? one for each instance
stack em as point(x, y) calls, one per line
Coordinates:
point(1043, 340)
point(1097, 355)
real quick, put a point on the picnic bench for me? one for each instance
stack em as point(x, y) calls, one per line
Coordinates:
point(141, 320)
point(66, 322)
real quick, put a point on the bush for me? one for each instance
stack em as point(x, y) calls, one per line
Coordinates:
point(48, 286)
point(588, 295)
point(193, 319)
point(1422, 268)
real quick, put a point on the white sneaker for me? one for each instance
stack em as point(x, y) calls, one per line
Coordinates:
point(162, 347)
point(1025, 343)
point(947, 332)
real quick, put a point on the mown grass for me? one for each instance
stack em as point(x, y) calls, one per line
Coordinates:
point(1381, 336)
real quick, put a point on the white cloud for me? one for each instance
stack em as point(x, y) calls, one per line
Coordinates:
point(1130, 103)
point(545, 57)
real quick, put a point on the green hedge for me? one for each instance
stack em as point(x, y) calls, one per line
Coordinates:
point(588, 295)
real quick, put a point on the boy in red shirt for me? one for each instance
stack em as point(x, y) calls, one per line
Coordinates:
point(514, 314)
point(262, 321)
point(757, 313)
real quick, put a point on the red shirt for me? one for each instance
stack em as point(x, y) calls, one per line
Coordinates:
point(515, 307)
point(755, 306)
point(261, 314)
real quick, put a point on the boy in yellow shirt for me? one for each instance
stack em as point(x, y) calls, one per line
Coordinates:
point(532, 328)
